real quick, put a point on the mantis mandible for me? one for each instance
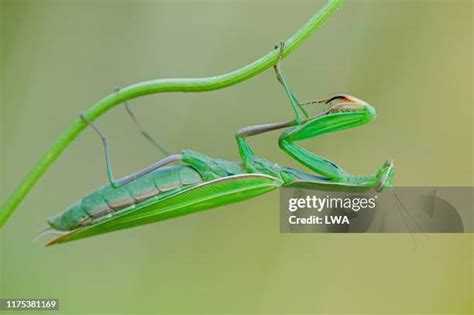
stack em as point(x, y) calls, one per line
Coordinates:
point(189, 181)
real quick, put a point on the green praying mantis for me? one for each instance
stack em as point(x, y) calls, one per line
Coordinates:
point(190, 181)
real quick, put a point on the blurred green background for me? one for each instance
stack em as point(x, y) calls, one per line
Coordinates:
point(412, 60)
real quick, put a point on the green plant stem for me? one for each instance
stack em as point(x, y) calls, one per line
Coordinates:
point(161, 86)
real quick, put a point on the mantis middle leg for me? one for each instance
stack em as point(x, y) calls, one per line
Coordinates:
point(246, 153)
point(295, 105)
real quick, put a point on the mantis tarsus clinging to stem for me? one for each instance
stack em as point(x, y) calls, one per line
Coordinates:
point(197, 182)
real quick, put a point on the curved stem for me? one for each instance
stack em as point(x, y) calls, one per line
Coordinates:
point(161, 86)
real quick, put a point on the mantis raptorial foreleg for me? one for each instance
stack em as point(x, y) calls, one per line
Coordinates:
point(318, 164)
point(348, 112)
point(312, 161)
point(319, 125)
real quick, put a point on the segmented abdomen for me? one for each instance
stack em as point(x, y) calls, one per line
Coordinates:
point(108, 200)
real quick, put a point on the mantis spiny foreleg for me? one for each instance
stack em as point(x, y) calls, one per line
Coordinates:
point(349, 112)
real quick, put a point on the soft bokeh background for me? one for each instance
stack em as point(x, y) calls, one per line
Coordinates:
point(411, 59)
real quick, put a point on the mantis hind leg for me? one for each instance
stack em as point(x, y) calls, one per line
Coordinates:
point(143, 132)
point(117, 183)
point(105, 144)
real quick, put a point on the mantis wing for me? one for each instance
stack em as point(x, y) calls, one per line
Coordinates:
point(203, 196)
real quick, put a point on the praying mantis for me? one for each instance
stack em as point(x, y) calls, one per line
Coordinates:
point(190, 181)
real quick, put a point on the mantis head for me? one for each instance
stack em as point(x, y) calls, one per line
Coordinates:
point(348, 109)
point(344, 112)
